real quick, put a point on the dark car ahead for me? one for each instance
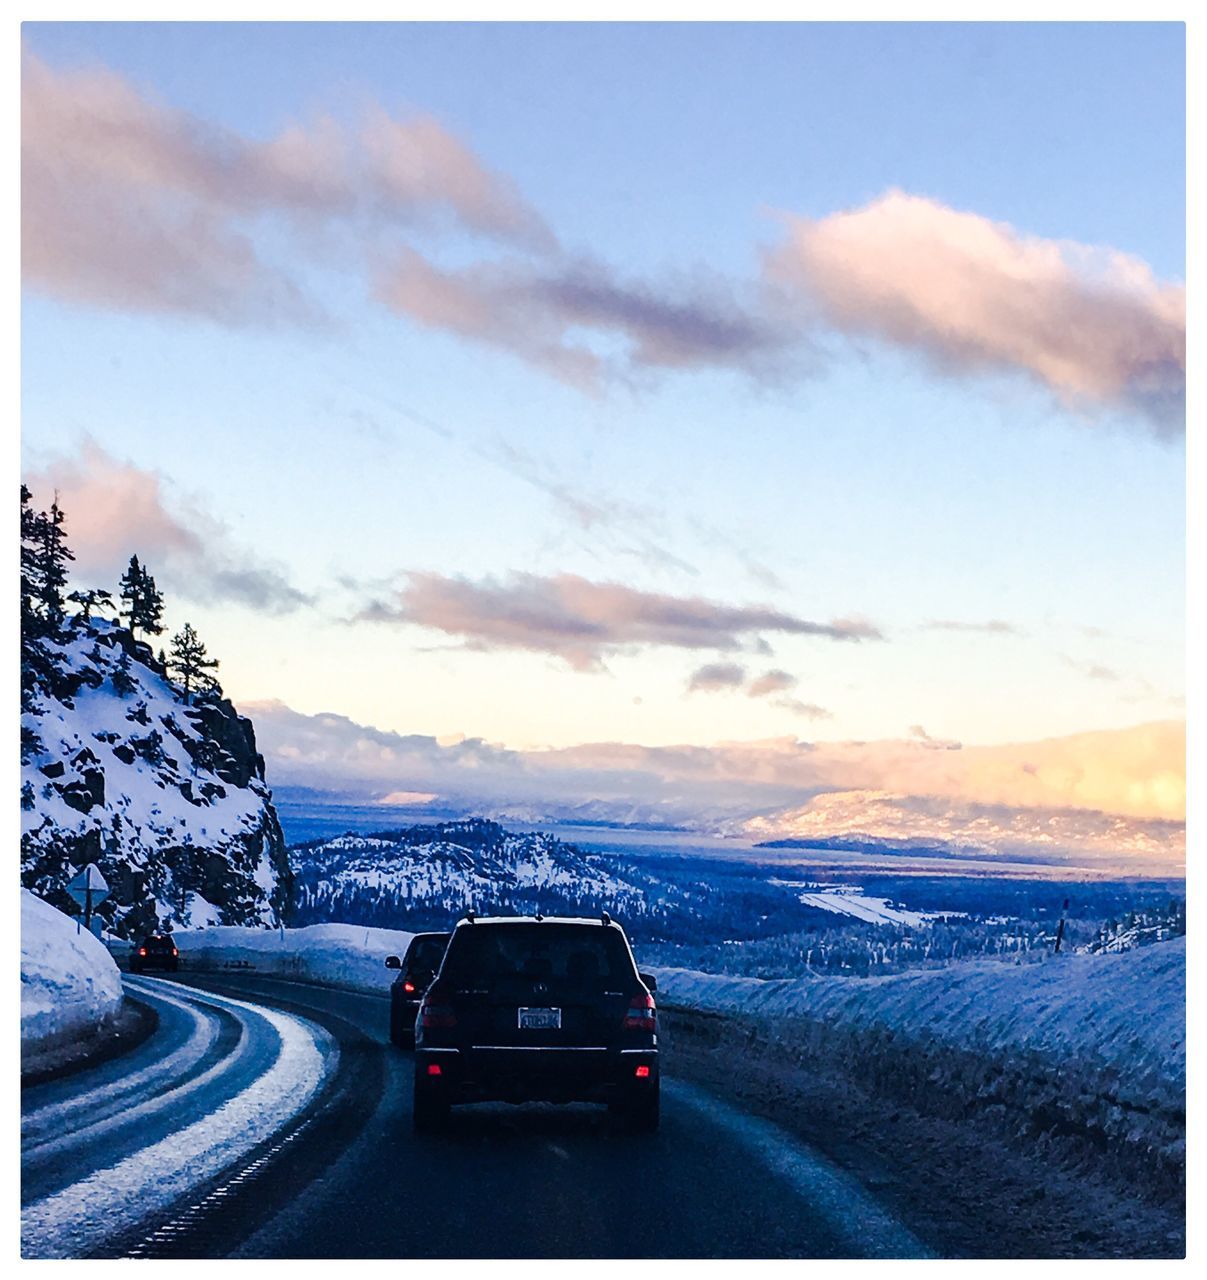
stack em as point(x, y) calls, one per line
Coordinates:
point(527, 1009)
point(155, 951)
point(415, 972)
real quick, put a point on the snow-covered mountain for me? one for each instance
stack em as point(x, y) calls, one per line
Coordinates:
point(434, 872)
point(167, 798)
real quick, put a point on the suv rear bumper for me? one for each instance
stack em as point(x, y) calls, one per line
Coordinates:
point(506, 1073)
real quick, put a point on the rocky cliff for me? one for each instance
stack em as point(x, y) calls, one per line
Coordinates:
point(165, 794)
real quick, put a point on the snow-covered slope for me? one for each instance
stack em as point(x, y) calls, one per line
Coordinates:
point(339, 955)
point(1127, 1011)
point(69, 983)
point(167, 798)
point(441, 869)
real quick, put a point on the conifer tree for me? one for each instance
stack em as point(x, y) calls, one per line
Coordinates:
point(142, 600)
point(89, 600)
point(190, 663)
point(122, 679)
point(52, 555)
point(31, 577)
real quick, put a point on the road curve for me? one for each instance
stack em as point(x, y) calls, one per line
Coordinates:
point(353, 1181)
point(110, 1149)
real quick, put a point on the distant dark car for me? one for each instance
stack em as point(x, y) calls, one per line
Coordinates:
point(155, 952)
point(527, 1009)
point(415, 972)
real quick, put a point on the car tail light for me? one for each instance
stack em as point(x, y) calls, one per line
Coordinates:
point(642, 1015)
point(175, 952)
point(433, 1069)
point(142, 951)
point(436, 1015)
point(642, 1073)
point(408, 987)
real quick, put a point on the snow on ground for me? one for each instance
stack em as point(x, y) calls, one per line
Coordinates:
point(86, 1213)
point(849, 900)
point(1128, 1010)
point(873, 910)
point(339, 955)
point(69, 983)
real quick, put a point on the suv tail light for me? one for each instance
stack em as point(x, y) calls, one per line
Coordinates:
point(408, 986)
point(142, 951)
point(642, 1015)
point(436, 1015)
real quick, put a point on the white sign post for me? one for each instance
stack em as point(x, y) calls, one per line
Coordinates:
point(89, 889)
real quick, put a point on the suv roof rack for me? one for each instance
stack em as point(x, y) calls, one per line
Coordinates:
point(604, 918)
point(471, 915)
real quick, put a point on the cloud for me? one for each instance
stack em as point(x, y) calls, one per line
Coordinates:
point(935, 744)
point(1117, 792)
point(132, 204)
point(537, 311)
point(583, 621)
point(807, 710)
point(1091, 324)
point(1096, 671)
point(115, 509)
point(716, 676)
point(769, 682)
point(993, 627)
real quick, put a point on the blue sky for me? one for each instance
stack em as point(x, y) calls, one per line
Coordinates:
point(1008, 520)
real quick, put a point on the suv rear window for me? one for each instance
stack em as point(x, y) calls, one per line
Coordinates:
point(577, 954)
point(426, 953)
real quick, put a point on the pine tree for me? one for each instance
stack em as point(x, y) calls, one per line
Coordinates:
point(152, 607)
point(89, 600)
point(53, 554)
point(122, 679)
point(190, 663)
point(142, 600)
point(31, 576)
point(130, 593)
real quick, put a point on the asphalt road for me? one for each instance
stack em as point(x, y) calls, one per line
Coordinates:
point(346, 1178)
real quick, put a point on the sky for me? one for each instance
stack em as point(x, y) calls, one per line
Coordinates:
point(600, 391)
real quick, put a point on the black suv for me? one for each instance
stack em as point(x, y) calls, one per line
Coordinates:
point(155, 952)
point(415, 972)
point(528, 1009)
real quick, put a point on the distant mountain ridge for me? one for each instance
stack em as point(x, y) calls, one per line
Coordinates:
point(432, 873)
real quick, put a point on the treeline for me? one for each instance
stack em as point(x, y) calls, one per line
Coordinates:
point(47, 624)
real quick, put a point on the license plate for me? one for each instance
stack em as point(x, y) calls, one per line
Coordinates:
point(540, 1019)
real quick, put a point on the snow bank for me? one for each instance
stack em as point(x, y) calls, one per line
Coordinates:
point(339, 955)
point(69, 984)
point(1126, 1010)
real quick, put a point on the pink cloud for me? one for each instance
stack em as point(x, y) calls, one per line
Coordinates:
point(1093, 325)
point(582, 621)
point(115, 509)
point(1117, 793)
point(535, 311)
point(714, 677)
point(128, 202)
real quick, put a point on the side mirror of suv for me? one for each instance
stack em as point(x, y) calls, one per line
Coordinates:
point(393, 962)
point(650, 981)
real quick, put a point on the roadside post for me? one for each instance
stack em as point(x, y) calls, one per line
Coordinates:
point(1060, 928)
point(89, 889)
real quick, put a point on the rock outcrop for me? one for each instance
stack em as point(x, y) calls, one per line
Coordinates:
point(166, 796)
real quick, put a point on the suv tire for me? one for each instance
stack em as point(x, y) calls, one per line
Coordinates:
point(640, 1114)
point(429, 1112)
